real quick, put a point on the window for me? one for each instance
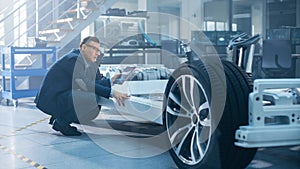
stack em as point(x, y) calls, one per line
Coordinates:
point(210, 26)
point(218, 26)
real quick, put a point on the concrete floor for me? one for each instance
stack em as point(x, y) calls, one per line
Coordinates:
point(110, 142)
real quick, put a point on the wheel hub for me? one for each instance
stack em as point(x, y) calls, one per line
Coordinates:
point(194, 119)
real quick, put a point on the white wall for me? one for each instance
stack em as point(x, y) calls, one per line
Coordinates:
point(129, 5)
point(191, 13)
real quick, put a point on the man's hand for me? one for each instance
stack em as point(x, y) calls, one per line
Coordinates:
point(120, 97)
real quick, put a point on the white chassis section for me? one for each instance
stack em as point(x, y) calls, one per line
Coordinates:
point(275, 124)
point(145, 102)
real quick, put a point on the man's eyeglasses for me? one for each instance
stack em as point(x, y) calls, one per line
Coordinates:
point(93, 47)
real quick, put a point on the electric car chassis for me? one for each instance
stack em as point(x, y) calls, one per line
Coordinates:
point(214, 115)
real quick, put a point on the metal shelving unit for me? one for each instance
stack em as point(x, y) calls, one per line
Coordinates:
point(22, 70)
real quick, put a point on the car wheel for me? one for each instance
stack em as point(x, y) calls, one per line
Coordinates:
point(197, 138)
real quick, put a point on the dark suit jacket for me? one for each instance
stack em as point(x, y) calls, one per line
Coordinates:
point(54, 95)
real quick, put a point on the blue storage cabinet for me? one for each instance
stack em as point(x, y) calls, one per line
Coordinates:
point(11, 71)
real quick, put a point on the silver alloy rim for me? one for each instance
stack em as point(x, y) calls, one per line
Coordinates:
point(188, 119)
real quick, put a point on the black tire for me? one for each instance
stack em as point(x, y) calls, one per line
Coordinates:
point(198, 139)
point(239, 85)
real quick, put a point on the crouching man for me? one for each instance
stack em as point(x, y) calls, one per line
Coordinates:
point(73, 86)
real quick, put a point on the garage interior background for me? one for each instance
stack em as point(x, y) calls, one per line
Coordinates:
point(35, 33)
point(119, 24)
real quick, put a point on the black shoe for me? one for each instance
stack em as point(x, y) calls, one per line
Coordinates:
point(66, 130)
point(51, 120)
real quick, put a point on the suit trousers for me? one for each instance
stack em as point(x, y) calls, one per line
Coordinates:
point(84, 107)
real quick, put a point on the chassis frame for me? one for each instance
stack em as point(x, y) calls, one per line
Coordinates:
point(271, 117)
point(276, 124)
